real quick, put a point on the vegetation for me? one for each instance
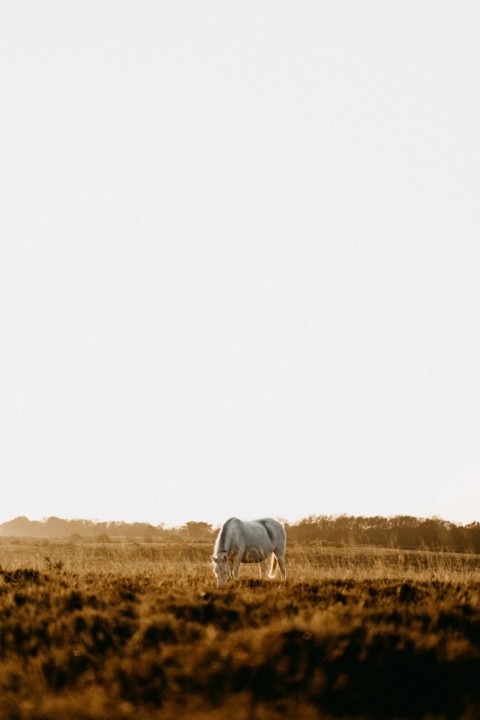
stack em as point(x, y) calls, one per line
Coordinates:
point(402, 531)
point(139, 630)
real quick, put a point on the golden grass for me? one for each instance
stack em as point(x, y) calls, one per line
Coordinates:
point(139, 630)
point(193, 559)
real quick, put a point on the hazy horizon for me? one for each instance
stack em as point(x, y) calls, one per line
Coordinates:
point(216, 525)
point(240, 259)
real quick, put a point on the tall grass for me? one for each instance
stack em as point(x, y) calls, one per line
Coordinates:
point(193, 560)
point(139, 630)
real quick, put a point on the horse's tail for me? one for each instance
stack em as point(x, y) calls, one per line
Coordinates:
point(273, 567)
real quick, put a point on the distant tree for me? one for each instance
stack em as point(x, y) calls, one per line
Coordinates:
point(75, 537)
point(197, 530)
point(22, 526)
point(103, 537)
point(473, 542)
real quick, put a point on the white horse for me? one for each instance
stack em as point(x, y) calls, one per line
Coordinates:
point(249, 542)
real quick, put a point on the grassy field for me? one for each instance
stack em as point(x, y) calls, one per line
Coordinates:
point(139, 630)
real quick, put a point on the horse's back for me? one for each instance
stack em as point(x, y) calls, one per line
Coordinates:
point(275, 531)
point(261, 532)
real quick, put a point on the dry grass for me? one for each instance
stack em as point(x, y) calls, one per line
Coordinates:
point(139, 630)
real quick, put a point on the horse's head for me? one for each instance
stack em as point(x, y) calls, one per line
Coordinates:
point(221, 567)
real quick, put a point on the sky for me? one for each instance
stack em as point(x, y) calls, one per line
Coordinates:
point(239, 259)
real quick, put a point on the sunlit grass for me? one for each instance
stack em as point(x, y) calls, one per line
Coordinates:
point(193, 560)
point(122, 630)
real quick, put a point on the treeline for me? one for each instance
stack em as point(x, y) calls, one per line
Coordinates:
point(90, 530)
point(402, 531)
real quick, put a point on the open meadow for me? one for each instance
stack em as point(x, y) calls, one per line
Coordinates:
point(127, 630)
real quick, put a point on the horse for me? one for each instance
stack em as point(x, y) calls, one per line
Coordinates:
point(249, 542)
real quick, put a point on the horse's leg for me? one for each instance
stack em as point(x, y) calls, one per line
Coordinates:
point(236, 566)
point(281, 564)
point(273, 566)
point(262, 567)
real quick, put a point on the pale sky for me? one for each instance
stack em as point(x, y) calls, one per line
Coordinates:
point(239, 259)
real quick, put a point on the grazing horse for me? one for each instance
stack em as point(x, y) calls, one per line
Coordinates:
point(249, 542)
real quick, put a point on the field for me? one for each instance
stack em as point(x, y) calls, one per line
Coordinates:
point(118, 631)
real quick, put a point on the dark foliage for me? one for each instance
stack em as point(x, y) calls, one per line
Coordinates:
point(402, 531)
point(117, 647)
